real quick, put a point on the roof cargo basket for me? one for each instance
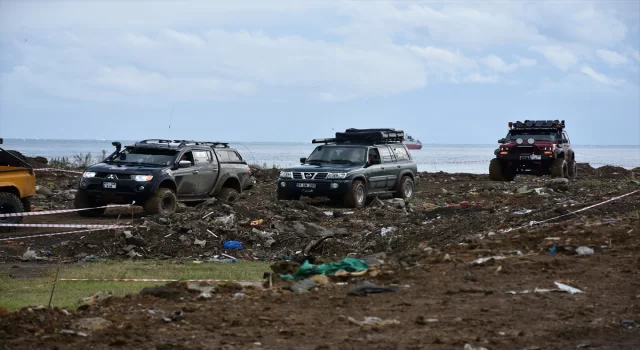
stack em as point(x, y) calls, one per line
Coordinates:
point(537, 124)
point(180, 143)
point(365, 136)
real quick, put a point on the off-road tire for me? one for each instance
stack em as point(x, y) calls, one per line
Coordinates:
point(285, 197)
point(352, 198)
point(163, 202)
point(83, 200)
point(26, 204)
point(406, 188)
point(228, 195)
point(498, 173)
point(10, 203)
point(560, 168)
point(573, 168)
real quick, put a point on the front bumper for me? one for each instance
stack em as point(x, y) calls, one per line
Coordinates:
point(124, 191)
point(526, 157)
point(322, 188)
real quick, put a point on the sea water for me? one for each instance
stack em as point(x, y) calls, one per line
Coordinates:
point(431, 158)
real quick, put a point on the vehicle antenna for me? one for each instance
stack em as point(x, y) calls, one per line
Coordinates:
point(252, 156)
point(170, 119)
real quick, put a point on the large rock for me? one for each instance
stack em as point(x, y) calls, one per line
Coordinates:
point(560, 184)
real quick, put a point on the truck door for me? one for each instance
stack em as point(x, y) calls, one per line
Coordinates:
point(375, 173)
point(186, 178)
point(208, 169)
point(389, 167)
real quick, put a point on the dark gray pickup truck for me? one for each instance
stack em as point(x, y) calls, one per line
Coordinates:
point(157, 174)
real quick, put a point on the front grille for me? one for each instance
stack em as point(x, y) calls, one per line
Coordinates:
point(310, 176)
point(115, 176)
point(522, 150)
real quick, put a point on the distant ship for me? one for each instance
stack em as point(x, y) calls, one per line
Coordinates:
point(412, 143)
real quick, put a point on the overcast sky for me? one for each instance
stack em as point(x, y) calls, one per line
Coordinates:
point(445, 72)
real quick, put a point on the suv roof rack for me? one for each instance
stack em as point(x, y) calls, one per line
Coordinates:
point(537, 125)
point(179, 143)
point(365, 136)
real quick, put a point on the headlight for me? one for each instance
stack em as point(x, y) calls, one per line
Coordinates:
point(336, 175)
point(88, 174)
point(141, 177)
point(519, 141)
point(531, 141)
point(286, 174)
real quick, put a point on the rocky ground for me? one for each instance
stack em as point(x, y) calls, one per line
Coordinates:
point(445, 298)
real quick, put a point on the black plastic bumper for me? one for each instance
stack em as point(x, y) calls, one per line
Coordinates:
point(125, 191)
point(323, 188)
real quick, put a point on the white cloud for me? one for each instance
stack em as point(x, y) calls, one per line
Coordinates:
point(497, 64)
point(636, 55)
point(611, 57)
point(558, 56)
point(479, 78)
point(600, 77)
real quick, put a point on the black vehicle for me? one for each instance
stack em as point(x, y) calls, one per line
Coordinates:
point(158, 173)
point(537, 147)
point(355, 165)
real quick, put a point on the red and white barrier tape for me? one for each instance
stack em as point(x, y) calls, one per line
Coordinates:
point(61, 211)
point(65, 225)
point(143, 280)
point(54, 170)
point(50, 234)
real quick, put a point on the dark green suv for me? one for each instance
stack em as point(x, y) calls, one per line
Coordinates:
point(355, 165)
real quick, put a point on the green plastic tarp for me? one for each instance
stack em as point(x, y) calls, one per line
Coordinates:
point(347, 264)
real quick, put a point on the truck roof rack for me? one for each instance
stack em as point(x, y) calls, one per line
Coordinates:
point(365, 136)
point(537, 125)
point(179, 143)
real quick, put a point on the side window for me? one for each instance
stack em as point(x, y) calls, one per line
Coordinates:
point(373, 154)
point(222, 155)
point(233, 156)
point(202, 157)
point(400, 153)
point(385, 154)
point(188, 156)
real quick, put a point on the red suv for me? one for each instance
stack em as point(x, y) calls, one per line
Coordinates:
point(538, 147)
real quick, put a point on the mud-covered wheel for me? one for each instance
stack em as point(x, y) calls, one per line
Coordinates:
point(10, 203)
point(573, 168)
point(357, 196)
point(405, 189)
point(163, 202)
point(83, 200)
point(560, 168)
point(495, 170)
point(288, 197)
point(228, 194)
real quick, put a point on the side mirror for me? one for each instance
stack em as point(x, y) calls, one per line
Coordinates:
point(503, 140)
point(303, 160)
point(184, 164)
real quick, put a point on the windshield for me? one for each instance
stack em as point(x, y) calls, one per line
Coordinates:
point(338, 154)
point(145, 156)
point(537, 135)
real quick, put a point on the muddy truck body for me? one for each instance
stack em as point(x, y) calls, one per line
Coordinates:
point(17, 186)
point(356, 165)
point(536, 147)
point(157, 174)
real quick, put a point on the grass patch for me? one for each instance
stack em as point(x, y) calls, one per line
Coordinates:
point(16, 293)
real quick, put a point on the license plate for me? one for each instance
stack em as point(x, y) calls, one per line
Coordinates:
point(109, 185)
point(536, 157)
point(306, 185)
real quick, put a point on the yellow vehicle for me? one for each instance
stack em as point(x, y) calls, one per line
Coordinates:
point(17, 186)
